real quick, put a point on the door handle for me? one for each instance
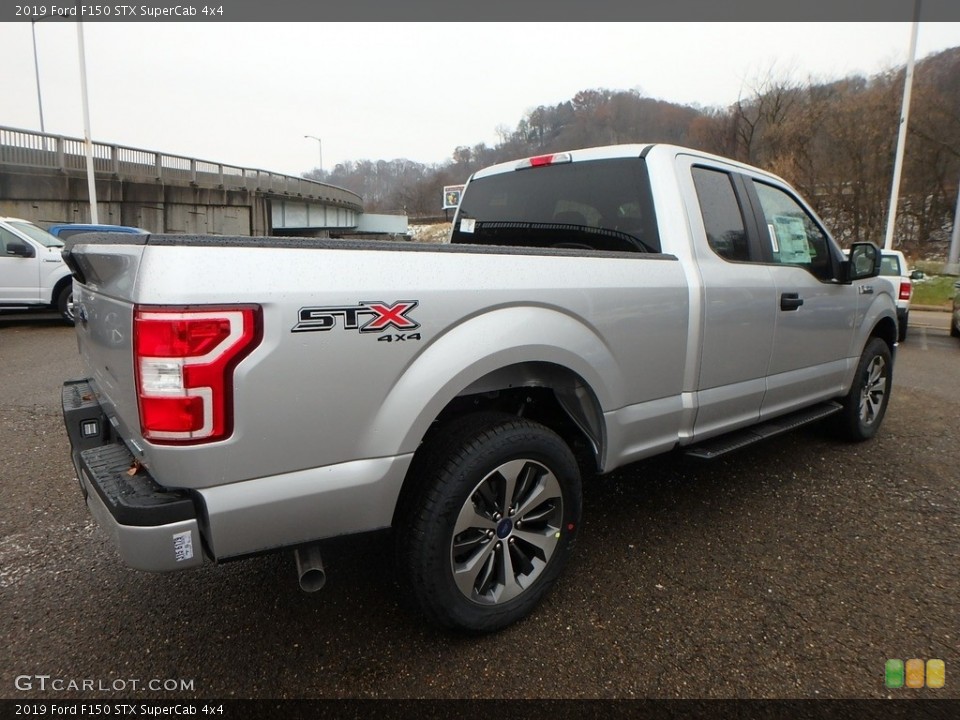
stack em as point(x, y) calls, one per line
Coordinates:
point(790, 301)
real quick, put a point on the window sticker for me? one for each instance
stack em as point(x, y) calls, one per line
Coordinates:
point(792, 239)
point(467, 225)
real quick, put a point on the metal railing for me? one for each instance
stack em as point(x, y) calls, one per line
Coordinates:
point(30, 149)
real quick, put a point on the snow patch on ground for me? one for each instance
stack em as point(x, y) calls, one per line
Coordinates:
point(436, 233)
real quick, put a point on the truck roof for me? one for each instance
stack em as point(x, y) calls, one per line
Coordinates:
point(607, 152)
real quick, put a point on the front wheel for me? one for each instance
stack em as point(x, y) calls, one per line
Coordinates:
point(65, 304)
point(866, 403)
point(491, 523)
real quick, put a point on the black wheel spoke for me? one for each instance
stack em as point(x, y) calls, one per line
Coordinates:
point(495, 557)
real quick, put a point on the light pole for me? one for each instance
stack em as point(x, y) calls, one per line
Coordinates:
point(36, 70)
point(902, 134)
point(87, 138)
point(320, 145)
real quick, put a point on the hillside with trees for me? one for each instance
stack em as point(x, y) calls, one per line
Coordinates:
point(834, 141)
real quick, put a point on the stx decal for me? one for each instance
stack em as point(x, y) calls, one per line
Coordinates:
point(367, 317)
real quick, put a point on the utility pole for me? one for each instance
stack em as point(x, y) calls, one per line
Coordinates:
point(902, 136)
point(87, 142)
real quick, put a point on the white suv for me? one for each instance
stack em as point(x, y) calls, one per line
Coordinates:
point(32, 272)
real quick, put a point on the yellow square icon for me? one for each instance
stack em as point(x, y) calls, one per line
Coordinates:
point(936, 673)
point(914, 670)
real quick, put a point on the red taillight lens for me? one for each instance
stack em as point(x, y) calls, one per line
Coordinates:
point(906, 289)
point(159, 337)
point(543, 160)
point(184, 360)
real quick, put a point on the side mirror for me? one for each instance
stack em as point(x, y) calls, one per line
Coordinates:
point(864, 263)
point(19, 249)
point(917, 275)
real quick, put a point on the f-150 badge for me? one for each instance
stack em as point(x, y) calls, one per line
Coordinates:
point(367, 317)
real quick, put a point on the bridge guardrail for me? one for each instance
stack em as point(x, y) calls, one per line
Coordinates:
point(28, 148)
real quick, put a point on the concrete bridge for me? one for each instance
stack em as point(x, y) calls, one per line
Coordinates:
point(43, 179)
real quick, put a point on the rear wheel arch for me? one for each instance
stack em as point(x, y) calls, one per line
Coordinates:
point(546, 393)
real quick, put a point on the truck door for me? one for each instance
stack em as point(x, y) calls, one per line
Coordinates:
point(19, 276)
point(737, 297)
point(815, 315)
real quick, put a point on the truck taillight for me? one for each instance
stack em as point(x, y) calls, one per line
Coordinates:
point(184, 360)
point(542, 160)
point(905, 290)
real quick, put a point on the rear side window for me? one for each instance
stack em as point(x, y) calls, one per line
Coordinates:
point(890, 265)
point(597, 205)
point(722, 218)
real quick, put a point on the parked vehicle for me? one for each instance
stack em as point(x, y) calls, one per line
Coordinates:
point(955, 317)
point(593, 307)
point(32, 273)
point(894, 264)
point(68, 230)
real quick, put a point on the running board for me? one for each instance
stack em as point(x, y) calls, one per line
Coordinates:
point(711, 449)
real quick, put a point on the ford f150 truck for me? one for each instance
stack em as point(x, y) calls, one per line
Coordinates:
point(592, 308)
point(32, 272)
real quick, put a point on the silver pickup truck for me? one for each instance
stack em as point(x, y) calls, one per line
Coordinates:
point(591, 308)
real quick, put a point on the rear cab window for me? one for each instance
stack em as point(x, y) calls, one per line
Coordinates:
point(589, 205)
point(721, 213)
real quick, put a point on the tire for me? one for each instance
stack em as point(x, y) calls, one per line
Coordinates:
point(902, 328)
point(472, 554)
point(954, 330)
point(866, 403)
point(65, 304)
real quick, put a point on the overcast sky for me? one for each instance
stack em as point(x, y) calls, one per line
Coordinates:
point(246, 94)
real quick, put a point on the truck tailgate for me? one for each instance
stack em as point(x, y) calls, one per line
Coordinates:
point(105, 276)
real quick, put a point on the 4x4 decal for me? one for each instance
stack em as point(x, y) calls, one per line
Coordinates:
point(372, 316)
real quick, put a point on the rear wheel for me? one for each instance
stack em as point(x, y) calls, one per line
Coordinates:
point(866, 403)
point(491, 523)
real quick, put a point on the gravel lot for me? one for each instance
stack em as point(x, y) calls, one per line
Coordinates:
point(794, 568)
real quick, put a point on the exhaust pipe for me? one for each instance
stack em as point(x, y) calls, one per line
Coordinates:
point(310, 568)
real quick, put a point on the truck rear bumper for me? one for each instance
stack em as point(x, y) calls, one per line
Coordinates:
point(154, 528)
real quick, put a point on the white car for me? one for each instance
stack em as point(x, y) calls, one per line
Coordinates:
point(32, 272)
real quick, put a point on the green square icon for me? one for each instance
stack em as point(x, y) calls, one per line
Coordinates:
point(893, 674)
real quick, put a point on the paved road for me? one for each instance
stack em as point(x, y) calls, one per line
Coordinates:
point(795, 568)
